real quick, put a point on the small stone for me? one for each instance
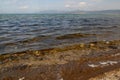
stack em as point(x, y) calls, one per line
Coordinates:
point(92, 45)
point(82, 45)
point(23, 78)
point(1, 62)
point(37, 53)
point(15, 47)
point(107, 42)
point(113, 47)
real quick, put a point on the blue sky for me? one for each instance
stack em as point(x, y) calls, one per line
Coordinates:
point(30, 6)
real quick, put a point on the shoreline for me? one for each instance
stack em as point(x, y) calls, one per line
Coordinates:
point(75, 62)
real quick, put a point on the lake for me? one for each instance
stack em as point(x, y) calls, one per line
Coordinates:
point(21, 32)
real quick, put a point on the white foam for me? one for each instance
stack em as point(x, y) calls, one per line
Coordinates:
point(102, 64)
point(113, 62)
point(108, 63)
point(92, 65)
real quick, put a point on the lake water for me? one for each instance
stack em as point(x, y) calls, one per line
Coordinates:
point(20, 32)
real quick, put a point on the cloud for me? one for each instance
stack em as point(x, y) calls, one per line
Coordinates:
point(97, 0)
point(76, 5)
point(83, 4)
point(8, 2)
point(67, 6)
point(24, 7)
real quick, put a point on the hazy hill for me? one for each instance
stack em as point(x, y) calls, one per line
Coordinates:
point(81, 12)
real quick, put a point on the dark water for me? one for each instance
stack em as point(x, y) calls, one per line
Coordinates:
point(35, 31)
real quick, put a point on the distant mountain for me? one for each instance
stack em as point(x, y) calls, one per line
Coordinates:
point(52, 12)
point(81, 12)
point(107, 12)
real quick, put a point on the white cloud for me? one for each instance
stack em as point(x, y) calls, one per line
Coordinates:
point(77, 5)
point(67, 6)
point(97, 0)
point(24, 7)
point(8, 2)
point(82, 4)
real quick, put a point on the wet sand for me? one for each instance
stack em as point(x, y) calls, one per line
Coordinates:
point(83, 61)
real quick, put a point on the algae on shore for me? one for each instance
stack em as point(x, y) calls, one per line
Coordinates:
point(96, 46)
point(75, 35)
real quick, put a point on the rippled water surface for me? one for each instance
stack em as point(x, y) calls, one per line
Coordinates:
point(39, 31)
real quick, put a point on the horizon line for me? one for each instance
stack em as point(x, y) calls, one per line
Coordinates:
point(58, 11)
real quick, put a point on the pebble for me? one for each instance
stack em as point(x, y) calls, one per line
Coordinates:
point(37, 53)
point(82, 45)
point(15, 48)
point(113, 47)
point(23, 78)
point(1, 62)
point(92, 45)
point(107, 42)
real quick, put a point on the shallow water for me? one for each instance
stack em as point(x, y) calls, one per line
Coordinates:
point(38, 31)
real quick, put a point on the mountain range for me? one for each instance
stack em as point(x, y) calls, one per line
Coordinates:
point(81, 12)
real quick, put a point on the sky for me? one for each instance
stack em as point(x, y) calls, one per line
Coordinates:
point(33, 6)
